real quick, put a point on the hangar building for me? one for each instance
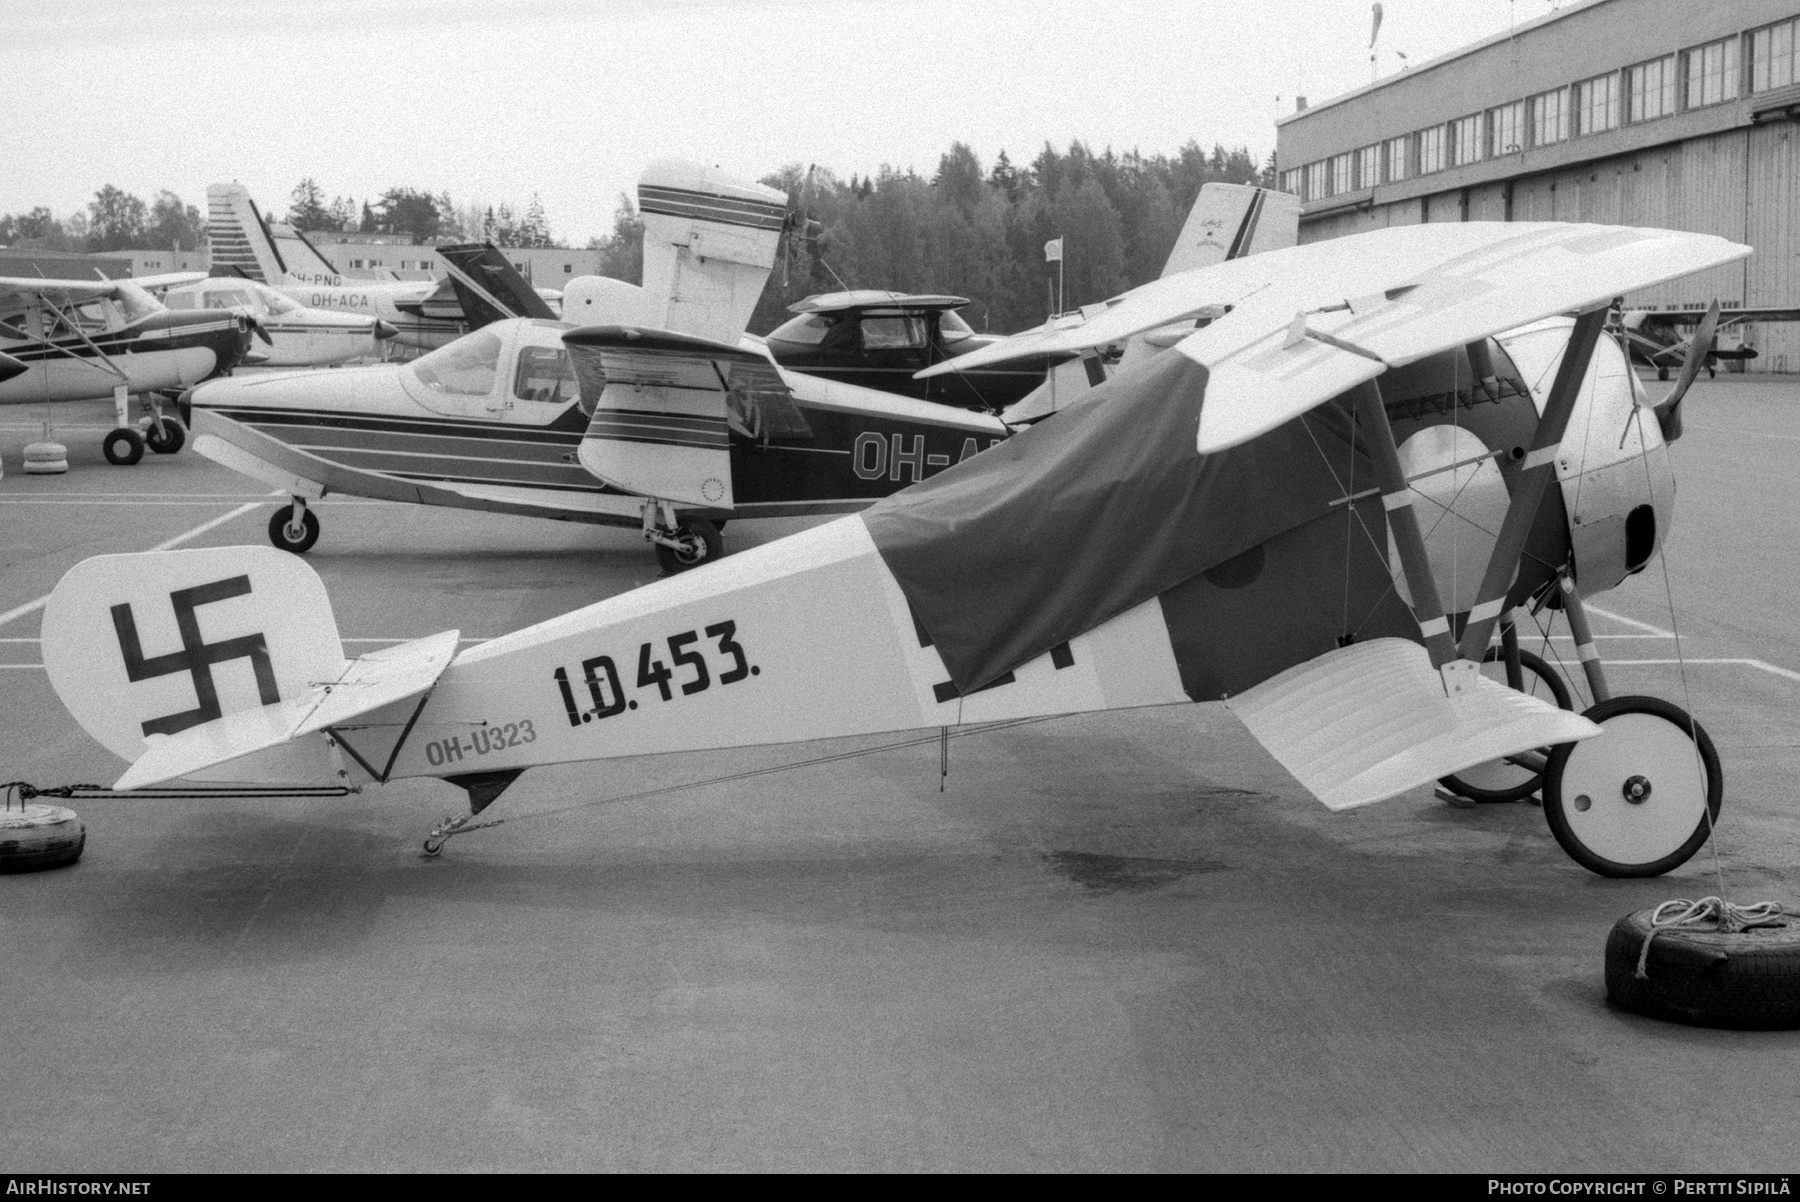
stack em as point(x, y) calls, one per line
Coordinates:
point(1632, 112)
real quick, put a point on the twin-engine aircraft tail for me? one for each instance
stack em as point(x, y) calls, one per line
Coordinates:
point(245, 243)
point(221, 664)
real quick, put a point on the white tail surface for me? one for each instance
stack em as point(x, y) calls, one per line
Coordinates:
point(1229, 221)
point(598, 300)
point(709, 243)
point(163, 642)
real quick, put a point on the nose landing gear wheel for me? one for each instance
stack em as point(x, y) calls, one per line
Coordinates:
point(700, 543)
point(1503, 780)
point(167, 438)
point(289, 536)
point(1635, 800)
point(123, 446)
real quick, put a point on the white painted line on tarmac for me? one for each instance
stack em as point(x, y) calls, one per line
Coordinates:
point(1758, 664)
point(31, 607)
point(1607, 613)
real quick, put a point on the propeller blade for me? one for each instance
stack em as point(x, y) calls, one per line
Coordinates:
point(256, 328)
point(1668, 410)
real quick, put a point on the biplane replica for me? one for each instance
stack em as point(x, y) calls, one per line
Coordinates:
point(517, 418)
point(1316, 510)
point(86, 339)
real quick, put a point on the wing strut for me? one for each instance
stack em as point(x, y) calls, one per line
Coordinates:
point(1539, 469)
point(1397, 499)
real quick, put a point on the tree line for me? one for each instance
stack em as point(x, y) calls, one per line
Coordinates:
point(978, 232)
point(967, 229)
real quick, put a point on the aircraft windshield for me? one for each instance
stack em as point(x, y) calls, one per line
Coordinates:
point(952, 328)
point(467, 367)
point(809, 329)
point(230, 298)
point(273, 301)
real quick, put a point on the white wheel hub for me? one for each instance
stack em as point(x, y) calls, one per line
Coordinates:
point(1634, 752)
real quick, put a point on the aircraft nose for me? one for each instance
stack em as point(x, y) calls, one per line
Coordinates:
point(384, 331)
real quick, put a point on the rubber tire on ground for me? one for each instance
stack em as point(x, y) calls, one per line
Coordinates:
point(704, 545)
point(124, 446)
point(1572, 759)
point(46, 459)
point(39, 837)
point(171, 438)
point(1748, 980)
point(1464, 787)
point(278, 530)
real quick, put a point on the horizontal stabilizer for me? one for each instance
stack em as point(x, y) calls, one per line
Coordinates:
point(368, 683)
point(1371, 720)
point(661, 427)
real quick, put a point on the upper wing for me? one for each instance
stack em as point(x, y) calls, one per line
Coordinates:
point(1348, 309)
point(661, 422)
point(488, 286)
point(32, 287)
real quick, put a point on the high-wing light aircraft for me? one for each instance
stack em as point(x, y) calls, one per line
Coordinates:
point(82, 339)
point(1237, 520)
point(298, 336)
point(423, 314)
point(1663, 338)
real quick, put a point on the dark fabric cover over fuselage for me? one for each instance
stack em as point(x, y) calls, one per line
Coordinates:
point(1095, 510)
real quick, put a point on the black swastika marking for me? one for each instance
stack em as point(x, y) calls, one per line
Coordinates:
point(196, 656)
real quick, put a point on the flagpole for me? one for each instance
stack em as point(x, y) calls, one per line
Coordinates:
point(1059, 285)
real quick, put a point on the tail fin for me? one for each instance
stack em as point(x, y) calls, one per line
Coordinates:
point(180, 661)
point(244, 242)
point(488, 287)
point(1229, 221)
point(709, 244)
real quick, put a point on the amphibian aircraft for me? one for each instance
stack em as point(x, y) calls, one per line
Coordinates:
point(504, 418)
point(83, 339)
point(1234, 520)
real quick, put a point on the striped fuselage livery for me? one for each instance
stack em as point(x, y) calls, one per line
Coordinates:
point(502, 431)
point(158, 352)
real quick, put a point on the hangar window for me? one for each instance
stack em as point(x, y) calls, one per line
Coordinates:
point(1341, 168)
point(1312, 181)
point(1290, 180)
point(1772, 57)
point(1650, 89)
point(1431, 149)
point(1506, 129)
point(1394, 156)
point(1597, 104)
point(1368, 167)
point(1712, 73)
point(1465, 140)
point(1550, 117)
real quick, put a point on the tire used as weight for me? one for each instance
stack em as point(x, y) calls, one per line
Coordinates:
point(39, 837)
point(1748, 980)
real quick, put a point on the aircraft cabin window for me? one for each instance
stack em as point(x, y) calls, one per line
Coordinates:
point(226, 299)
point(544, 374)
point(274, 301)
point(892, 333)
point(180, 301)
point(466, 367)
point(952, 328)
point(809, 329)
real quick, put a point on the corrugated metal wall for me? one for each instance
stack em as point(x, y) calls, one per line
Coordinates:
point(1741, 184)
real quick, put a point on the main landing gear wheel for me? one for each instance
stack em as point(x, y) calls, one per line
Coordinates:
point(1638, 799)
point(165, 438)
point(1503, 780)
point(288, 535)
point(123, 446)
point(700, 543)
